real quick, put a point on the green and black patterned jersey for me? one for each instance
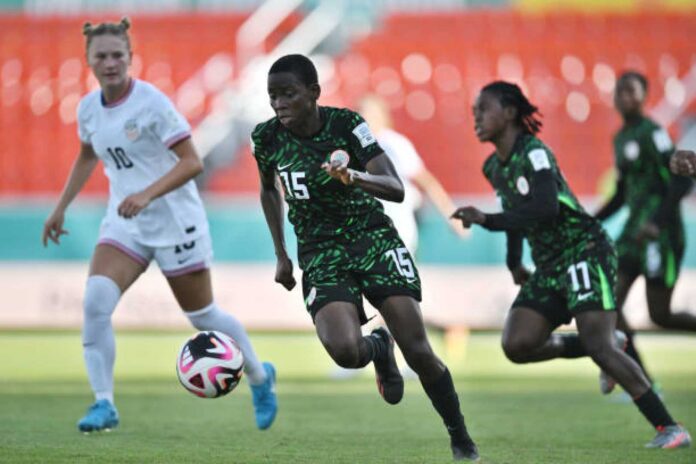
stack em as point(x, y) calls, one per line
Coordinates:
point(519, 183)
point(642, 153)
point(321, 208)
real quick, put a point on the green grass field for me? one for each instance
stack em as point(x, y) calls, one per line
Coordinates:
point(544, 413)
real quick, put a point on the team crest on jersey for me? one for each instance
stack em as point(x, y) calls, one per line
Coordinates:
point(631, 150)
point(522, 185)
point(131, 129)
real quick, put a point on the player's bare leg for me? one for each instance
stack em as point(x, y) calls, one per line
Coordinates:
point(661, 312)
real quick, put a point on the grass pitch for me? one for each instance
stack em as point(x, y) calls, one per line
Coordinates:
point(544, 413)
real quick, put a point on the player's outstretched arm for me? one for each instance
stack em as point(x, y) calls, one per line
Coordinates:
point(273, 210)
point(434, 190)
point(541, 206)
point(381, 179)
point(80, 172)
point(188, 167)
point(683, 163)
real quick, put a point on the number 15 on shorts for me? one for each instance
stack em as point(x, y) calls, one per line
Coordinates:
point(402, 260)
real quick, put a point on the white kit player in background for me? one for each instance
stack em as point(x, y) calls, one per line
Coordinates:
point(418, 181)
point(154, 213)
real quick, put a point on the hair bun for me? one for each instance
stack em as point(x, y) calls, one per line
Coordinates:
point(87, 28)
point(125, 23)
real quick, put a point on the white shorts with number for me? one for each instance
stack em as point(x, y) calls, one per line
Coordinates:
point(177, 260)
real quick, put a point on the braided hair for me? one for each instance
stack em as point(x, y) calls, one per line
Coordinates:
point(511, 95)
point(118, 29)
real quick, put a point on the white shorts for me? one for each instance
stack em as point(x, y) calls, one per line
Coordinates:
point(173, 261)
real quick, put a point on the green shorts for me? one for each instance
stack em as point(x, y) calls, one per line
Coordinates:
point(658, 261)
point(376, 264)
point(583, 282)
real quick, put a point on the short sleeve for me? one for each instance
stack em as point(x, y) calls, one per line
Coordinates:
point(259, 152)
point(539, 159)
point(363, 143)
point(83, 118)
point(168, 125)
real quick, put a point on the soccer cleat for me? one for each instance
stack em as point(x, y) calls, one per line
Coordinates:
point(264, 399)
point(606, 382)
point(465, 451)
point(389, 381)
point(102, 415)
point(670, 437)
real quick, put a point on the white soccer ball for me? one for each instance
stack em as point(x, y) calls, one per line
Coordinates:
point(210, 364)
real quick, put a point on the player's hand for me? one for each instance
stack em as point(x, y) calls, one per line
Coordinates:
point(469, 215)
point(339, 171)
point(133, 204)
point(683, 163)
point(520, 275)
point(284, 273)
point(53, 228)
point(457, 228)
point(648, 231)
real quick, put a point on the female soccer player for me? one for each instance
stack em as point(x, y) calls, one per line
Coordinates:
point(154, 212)
point(347, 246)
point(652, 242)
point(575, 260)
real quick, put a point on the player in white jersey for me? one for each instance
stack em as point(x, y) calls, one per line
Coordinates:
point(417, 179)
point(154, 212)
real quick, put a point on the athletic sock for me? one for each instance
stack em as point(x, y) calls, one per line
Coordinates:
point(372, 348)
point(99, 346)
point(654, 409)
point(572, 346)
point(633, 353)
point(213, 318)
point(446, 402)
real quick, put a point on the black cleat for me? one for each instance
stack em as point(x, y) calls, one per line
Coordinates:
point(465, 451)
point(389, 381)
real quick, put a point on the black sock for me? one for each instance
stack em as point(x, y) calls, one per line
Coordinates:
point(446, 403)
point(633, 353)
point(654, 409)
point(572, 346)
point(371, 348)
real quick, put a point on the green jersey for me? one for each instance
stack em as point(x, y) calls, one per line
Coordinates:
point(321, 208)
point(642, 153)
point(554, 241)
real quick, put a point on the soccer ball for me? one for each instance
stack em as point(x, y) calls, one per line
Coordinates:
point(210, 364)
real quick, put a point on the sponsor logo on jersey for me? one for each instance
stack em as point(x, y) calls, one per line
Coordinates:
point(131, 129)
point(631, 150)
point(364, 134)
point(539, 159)
point(522, 185)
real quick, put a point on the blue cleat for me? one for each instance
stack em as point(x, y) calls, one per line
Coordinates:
point(264, 398)
point(102, 415)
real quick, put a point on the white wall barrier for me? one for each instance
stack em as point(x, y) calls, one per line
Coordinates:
point(49, 295)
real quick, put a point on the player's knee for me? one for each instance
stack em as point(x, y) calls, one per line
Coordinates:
point(345, 354)
point(517, 349)
point(101, 296)
point(661, 319)
point(598, 349)
point(420, 357)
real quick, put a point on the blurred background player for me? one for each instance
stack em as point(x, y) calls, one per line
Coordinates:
point(652, 241)
point(575, 260)
point(347, 247)
point(413, 173)
point(154, 212)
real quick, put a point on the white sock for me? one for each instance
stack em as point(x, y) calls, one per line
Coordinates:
point(213, 318)
point(99, 347)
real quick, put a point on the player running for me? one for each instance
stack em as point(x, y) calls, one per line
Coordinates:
point(154, 212)
point(347, 246)
point(575, 260)
point(652, 242)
